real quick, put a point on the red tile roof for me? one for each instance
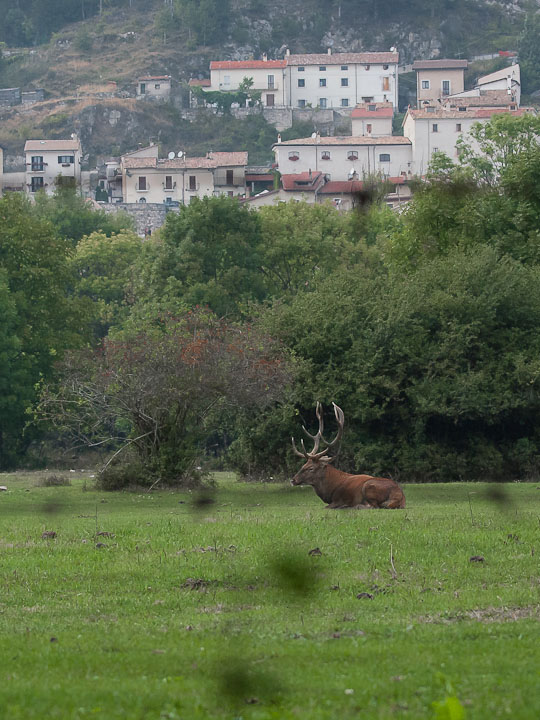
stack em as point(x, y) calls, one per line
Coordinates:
point(444, 64)
point(364, 58)
point(302, 181)
point(267, 177)
point(380, 110)
point(201, 83)
point(441, 114)
point(211, 161)
point(246, 64)
point(336, 187)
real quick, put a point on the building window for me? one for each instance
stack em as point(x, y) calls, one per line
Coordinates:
point(384, 157)
point(143, 88)
point(386, 83)
point(168, 182)
point(344, 67)
point(271, 79)
point(462, 109)
point(425, 84)
point(435, 127)
point(294, 155)
point(369, 128)
point(446, 87)
point(322, 68)
point(301, 82)
point(322, 82)
point(37, 163)
point(458, 127)
point(435, 150)
point(229, 177)
point(301, 103)
point(157, 86)
point(36, 184)
point(192, 182)
point(301, 69)
point(344, 82)
point(344, 102)
point(142, 183)
point(372, 108)
point(367, 67)
point(66, 159)
point(352, 155)
point(325, 155)
point(226, 79)
point(322, 102)
point(385, 67)
point(367, 99)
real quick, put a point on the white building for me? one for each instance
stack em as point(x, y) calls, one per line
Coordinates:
point(52, 162)
point(373, 119)
point(147, 179)
point(341, 80)
point(268, 77)
point(437, 130)
point(341, 158)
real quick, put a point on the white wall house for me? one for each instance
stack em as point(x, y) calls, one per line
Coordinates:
point(341, 158)
point(437, 130)
point(268, 78)
point(508, 79)
point(373, 119)
point(340, 80)
point(178, 180)
point(154, 87)
point(50, 162)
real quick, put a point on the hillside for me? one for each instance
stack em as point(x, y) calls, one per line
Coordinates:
point(180, 37)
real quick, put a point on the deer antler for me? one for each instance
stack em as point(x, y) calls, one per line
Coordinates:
point(316, 453)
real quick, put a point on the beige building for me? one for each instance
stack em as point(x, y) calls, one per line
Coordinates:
point(436, 79)
point(268, 78)
point(52, 162)
point(154, 87)
point(176, 180)
point(342, 158)
point(374, 119)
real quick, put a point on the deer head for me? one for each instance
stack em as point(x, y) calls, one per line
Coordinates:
point(314, 469)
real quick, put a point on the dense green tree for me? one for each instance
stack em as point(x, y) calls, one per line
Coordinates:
point(73, 217)
point(207, 254)
point(38, 314)
point(437, 371)
point(104, 268)
point(529, 54)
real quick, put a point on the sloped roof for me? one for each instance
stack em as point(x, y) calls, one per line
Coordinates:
point(443, 64)
point(381, 110)
point(154, 77)
point(364, 58)
point(441, 114)
point(205, 82)
point(246, 64)
point(33, 145)
point(210, 162)
point(347, 140)
point(302, 181)
point(511, 71)
point(336, 187)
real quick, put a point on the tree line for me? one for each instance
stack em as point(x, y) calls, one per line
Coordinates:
point(213, 340)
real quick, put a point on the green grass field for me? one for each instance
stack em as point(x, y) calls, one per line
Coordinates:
point(213, 607)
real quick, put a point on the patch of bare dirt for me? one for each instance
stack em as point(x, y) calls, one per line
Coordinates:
point(485, 615)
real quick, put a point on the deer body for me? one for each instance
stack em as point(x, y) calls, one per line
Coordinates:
point(339, 489)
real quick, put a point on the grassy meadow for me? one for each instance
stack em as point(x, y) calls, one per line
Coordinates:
point(181, 605)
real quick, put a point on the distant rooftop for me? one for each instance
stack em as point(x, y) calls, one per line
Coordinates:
point(443, 64)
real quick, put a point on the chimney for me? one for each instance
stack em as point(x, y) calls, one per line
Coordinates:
point(329, 51)
point(265, 57)
point(287, 52)
point(279, 138)
point(310, 174)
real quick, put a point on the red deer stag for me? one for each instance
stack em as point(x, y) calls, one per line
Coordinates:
point(339, 489)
